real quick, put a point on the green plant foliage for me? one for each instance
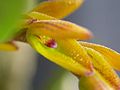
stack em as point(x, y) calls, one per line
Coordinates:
point(10, 13)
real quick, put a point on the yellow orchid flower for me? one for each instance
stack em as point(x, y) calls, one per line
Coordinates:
point(57, 40)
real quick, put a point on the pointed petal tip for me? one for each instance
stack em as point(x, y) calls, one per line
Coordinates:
point(83, 34)
point(89, 34)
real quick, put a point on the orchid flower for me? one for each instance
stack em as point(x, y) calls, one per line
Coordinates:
point(59, 41)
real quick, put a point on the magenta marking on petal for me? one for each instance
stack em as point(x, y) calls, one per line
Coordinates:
point(51, 43)
point(89, 73)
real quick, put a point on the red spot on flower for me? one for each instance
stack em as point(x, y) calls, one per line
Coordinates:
point(51, 43)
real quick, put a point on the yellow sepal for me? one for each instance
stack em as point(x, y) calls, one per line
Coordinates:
point(58, 8)
point(77, 52)
point(59, 29)
point(110, 55)
point(103, 67)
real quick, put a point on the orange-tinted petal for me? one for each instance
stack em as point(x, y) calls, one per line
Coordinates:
point(58, 8)
point(59, 29)
point(110, 55)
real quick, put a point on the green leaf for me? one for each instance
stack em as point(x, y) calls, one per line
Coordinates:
point(10, 13)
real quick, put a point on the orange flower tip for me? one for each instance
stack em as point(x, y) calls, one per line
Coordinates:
point(89, 35)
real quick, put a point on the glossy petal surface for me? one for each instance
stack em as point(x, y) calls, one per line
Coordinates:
point(57, 57)
point(38, 16)
point(58, 8)
point(59, 29)
point(110, 55)
point(73, 49)
point(103, 67)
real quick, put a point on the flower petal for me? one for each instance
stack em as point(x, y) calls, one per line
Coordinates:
point(110, 55)
point(94, 82)
point(103, 67)
point(59, 29)
point(58, 8)
point(74, 50)
point(57, 57)
point(9, 46)
point(38, 16)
